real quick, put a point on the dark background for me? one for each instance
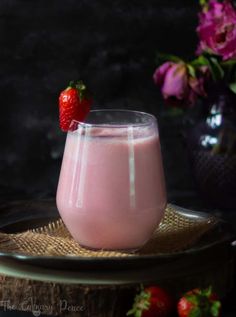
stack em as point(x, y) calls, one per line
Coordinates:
point(111, 45)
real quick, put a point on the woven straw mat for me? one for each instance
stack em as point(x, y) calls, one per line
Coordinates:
point(175, 233)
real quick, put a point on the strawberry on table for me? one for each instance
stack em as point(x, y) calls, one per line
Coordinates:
point(199, 303)
point(74, 104)
point(152, 301)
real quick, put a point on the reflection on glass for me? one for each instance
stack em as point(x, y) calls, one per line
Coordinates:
point(208, 141)
point(215, 120)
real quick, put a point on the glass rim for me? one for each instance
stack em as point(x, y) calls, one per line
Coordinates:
point(152, 121)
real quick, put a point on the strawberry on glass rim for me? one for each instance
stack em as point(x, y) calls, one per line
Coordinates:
point(74, 104)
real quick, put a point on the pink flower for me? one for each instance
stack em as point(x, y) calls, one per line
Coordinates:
point(217, 29)
point(177, 86)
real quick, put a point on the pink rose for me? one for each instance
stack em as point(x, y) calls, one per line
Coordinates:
point(177, 86)
point(217, 29)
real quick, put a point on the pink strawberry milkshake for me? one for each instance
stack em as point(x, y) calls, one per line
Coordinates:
point(111, 192)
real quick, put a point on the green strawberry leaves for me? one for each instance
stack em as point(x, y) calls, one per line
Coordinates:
point(141, 303)
point(195, 312)
point(203, 303)
point(215, 308)
point(80, 87)
point(193, 299)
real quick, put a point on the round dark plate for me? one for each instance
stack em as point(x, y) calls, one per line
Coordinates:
point(22, 215)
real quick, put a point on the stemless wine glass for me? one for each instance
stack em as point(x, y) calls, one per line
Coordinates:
point(111, 192)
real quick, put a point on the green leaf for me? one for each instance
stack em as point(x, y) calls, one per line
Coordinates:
point(230, 62)
point(135, 312)
point(215, 308)
point(203, 2)
point(200, 61)
point(191, 70)
point(232, 87)
point(192, 299)
point(138, 313)
point(207, 291)
point(230, 70)
point(162, 57)
point(216, 69)
point(130, 312)
point(141, 303)
point(195, 312)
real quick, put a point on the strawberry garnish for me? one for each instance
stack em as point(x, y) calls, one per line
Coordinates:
point(199, 303)
point(152, 301)
point(74, 104)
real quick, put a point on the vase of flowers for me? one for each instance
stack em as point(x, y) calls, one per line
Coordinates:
point(208, 81)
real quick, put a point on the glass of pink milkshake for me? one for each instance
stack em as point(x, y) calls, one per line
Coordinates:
point(111, 192)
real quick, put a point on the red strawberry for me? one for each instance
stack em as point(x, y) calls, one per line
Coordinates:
point(152, 301)
point(199, 303)
point(73, 104)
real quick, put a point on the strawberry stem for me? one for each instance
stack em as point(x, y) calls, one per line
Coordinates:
point(81, 88)
point(72, 84)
